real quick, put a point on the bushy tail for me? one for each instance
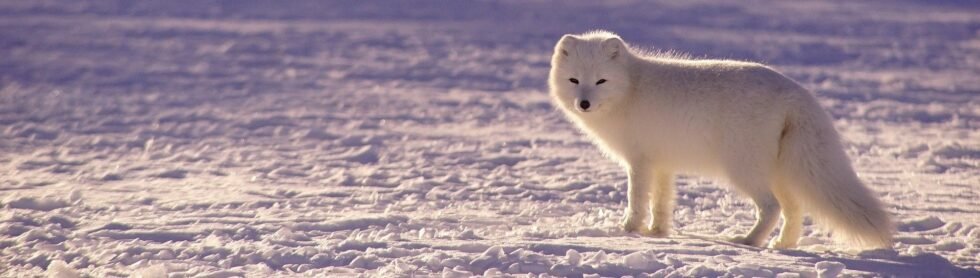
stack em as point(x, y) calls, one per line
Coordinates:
point(815, 168)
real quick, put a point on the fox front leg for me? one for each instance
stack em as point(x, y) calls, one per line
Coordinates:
point(662, 200)
point(638, 201)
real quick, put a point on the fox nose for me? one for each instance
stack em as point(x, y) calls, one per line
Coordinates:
point(584, 104)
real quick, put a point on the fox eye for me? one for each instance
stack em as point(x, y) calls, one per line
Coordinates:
point(573, 80)
point(600, 81)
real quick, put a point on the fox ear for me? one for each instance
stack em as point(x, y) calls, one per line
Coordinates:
point(566, 42)
point(612, 47)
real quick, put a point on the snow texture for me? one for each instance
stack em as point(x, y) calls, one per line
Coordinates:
point(392, 138)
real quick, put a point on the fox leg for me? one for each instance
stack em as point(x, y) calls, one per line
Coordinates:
point(792, 227)
point(662, 199)
point(638, 202)
point(766, 214)
point(766, 208)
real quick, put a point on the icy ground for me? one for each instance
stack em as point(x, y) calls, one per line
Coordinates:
point(308, 138)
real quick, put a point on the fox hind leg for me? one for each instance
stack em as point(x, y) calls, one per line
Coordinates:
point(766, 208)
point(766, 213)
point(792, 227)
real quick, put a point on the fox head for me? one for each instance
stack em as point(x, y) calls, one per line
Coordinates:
point(589, 72)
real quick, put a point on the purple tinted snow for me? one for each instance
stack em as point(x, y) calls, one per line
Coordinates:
point(343, 120)
point(36, 203)
point(349, 223)
point(156, 236)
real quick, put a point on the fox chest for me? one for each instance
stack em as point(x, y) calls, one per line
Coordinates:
point(652, 141)
point(616, 139)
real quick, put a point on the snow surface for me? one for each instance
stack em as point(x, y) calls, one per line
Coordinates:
point(389, 138)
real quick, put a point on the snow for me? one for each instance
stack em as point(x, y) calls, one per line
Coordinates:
point(338, 138)
point(829, 269)
point(35, 203)
point(59, 269)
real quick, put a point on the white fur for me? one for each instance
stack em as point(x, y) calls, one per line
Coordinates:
point(741, 122)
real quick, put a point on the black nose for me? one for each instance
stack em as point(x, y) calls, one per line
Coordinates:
point(584, 104)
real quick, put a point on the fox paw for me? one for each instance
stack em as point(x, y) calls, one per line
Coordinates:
point(783, 244)
point(745, 241)
point(631, 227)
point(656, 231)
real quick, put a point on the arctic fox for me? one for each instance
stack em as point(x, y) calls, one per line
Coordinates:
point(741, 122)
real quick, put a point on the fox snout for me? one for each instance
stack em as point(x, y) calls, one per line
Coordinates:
point(582, 105)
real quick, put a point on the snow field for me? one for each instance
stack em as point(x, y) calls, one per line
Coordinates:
point(218, 139)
